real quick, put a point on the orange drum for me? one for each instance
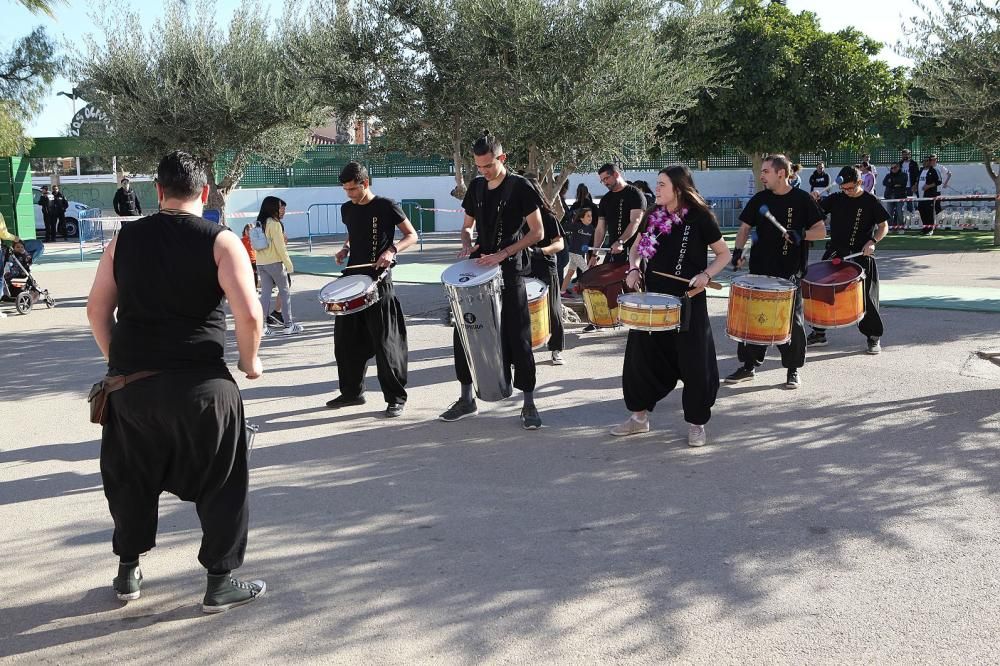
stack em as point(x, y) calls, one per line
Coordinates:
point(760, 310)
point(538, 308)
point(833, 295)
point(601, 286)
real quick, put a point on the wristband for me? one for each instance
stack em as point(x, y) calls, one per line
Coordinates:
point(634, 269)
point(395, 250)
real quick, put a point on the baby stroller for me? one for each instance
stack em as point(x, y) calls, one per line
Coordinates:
point(19, 285)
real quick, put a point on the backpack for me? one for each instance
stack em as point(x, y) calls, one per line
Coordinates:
point(258, 239)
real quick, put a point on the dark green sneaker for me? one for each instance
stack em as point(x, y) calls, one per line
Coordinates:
point(128, 582)
point(225, 592)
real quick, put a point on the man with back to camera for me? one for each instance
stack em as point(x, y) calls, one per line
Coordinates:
point(176, 424)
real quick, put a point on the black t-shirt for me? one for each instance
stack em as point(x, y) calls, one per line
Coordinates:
point(683, 252)
point(579, 234)
point(772, 254)
point(371, 228)
point(521, 201)
point(170, 313)
point(853, 220)
point(819, 181)
point(616, 209)
point(552, 230)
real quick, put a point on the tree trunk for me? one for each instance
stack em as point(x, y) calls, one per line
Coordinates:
point(995, 177)
point(218, 192)
point(456, 158)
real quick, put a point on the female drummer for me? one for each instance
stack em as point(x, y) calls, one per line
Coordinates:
point(674, 239)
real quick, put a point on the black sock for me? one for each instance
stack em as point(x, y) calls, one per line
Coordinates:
point(467, 394)
point(529, 399)
point(128, 560)
point(218, 572)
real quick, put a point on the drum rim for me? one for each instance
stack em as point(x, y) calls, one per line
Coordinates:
point(738, 282)
point(347, 279)
point(861, 274)
point(675, 301)
point(488, 274)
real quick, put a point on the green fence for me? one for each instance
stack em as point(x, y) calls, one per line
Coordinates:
point(320, 165)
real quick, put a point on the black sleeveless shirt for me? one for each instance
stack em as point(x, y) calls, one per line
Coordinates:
point(170, 313)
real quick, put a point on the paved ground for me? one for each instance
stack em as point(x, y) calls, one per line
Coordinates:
point(855, 520)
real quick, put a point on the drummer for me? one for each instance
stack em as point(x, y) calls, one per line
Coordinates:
point(674, 238)
point(505, 211)
point(778, 255)
point(379, 330)
point(858, 220)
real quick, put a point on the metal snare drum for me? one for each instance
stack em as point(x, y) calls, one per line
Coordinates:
point(650, 311)
point(474, 296)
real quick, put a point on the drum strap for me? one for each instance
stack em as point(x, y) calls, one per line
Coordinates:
point(506, 191)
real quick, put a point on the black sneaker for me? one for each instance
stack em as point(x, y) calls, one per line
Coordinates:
point(343, 401)
point(744, 373)
point(793, 381)
point(590, 328)
point(394, 410)
point(128, 582)
point(874, 346)
point(816, 339)
point(225, 592)
point(530, 420)
point(460, 410)
point(275, 319)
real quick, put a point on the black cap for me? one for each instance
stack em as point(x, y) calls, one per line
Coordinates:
point(848, 175)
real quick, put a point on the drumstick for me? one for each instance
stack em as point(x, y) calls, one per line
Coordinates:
point(595, 250)
point(839, 260)
point(711, 283)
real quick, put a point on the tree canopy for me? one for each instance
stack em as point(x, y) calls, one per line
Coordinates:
point(796, 88)
point(25, 71)
point(955, 48)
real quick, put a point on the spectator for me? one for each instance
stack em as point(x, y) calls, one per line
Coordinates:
point(796, 180)
point(897, 186)
point(868, 158)
point(911, 168)
point(59, 210)
point(943, 172)
point(929, 184)
point(580, 233)
point(820, 179)
point(251, 253)
point(275, 266)
point(646, 192)
point(562, 257)
point(584, 200)
point(48, 204)
point(126, 202)
point(867, 178)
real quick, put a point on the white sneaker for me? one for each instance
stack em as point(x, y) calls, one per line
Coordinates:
point(293, 328)
point(3, 315)
point(557, 358)
point(696, 435)
point(631, 426)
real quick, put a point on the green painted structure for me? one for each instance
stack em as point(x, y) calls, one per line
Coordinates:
point(16, 200)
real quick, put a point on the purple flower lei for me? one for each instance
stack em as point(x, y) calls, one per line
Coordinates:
point(658, 222)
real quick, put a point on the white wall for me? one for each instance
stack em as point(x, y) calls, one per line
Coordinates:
point(966, 179)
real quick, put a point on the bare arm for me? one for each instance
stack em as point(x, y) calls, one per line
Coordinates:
point(534, 234)
point(236, 280)
point(556, 246)
point(599, 231)
point(467, 246)
point(816, 232)
point(722, 257)
point(103, 300)
point(409, 238)
point(635, 216)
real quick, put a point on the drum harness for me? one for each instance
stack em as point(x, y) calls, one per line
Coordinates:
point(506, 191)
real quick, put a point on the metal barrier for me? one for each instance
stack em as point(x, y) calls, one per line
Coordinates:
point(324, 221)
point(727, 210)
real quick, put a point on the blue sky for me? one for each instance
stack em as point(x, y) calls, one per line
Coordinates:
point(880, 19)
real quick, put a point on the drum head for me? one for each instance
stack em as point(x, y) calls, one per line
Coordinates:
point(650, 299)
point(603, 275)
point(534, 287)
point(825, 272)
point(468, 274)
point(345, 287)
point(763, 282)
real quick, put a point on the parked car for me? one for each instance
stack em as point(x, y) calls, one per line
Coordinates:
point(72, 215)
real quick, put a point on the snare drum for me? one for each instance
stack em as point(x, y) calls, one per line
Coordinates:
point(601, 286)
point(650, 311)
point(833, 296)
point(474, 296)
point(538, 308)
point(760, 310)
point(349, 294)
